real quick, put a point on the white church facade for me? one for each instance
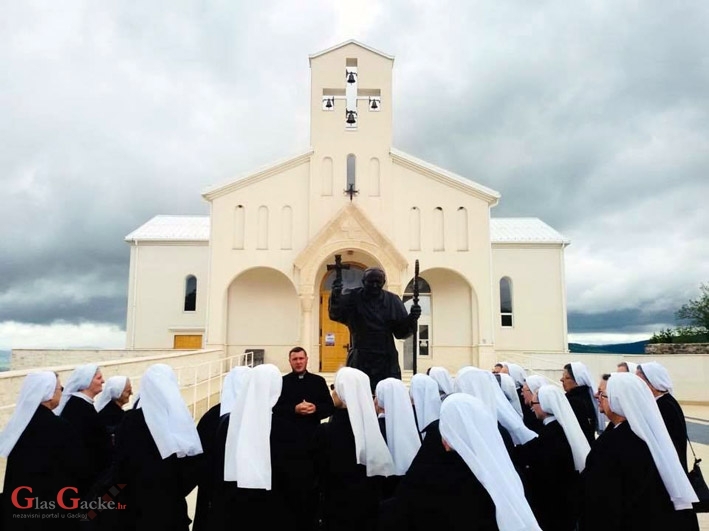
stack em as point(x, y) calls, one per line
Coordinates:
point(254, 273)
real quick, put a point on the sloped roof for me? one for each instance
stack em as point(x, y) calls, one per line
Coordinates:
point(251, 177)
point(196, 229)
point(351, 41)
point(172, 228)
point(524, 230)
point(445, 176)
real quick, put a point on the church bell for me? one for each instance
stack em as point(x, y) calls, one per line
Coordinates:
point(351, 117)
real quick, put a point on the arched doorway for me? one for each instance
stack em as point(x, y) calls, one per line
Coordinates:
point(335, 337)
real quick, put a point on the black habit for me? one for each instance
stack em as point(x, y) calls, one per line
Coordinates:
point(350, 499)
point(676, 425)
point(207, 430)
point(47, 457)
point(585, 410)
point(82, 415)
point(622, 489)
point(551, 483)
point(440, 494)
point(155, 488)
point(232, 504)
point(295, 434)
point(110, 417)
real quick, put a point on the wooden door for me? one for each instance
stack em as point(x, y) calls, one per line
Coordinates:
point(334, 339)
point(188, 342)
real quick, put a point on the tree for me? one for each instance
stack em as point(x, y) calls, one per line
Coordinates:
point(697, 311)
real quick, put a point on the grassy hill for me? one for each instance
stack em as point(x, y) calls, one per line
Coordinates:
point(619, 348)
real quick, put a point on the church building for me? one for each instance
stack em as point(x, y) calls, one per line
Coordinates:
point(254, 275)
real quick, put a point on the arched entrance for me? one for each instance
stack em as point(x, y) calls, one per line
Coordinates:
point(334, 337)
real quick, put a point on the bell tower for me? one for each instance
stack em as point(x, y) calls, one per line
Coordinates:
point(350, 100)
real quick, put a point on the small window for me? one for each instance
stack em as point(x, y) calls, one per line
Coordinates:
point(351, 171)
point(190, 293)
point(505, 301)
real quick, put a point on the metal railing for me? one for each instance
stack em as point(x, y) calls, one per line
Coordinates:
point(215, 371)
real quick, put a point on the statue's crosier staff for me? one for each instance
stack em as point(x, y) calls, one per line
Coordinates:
point(338, 267)
point(416, 325)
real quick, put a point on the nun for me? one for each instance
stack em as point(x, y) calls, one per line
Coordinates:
point(578, 385)
point(398, 427)
point(207, 430)
point(251, 455)
point(109, 406)
point(475, 488)
point(483, 385)
point(633, 479)
point(552, 462)
point(507, 384)
point(519, 376)
point(157, 455)
point(531, 385)
point(425, 399)
point(444, 380)
point(658, 380)
point(44, 455)
point(78, 409)
point(352, 456)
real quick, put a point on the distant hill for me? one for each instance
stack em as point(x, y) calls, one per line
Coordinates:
point(619, 348)
point(5, 360)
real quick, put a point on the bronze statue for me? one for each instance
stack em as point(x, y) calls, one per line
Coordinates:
point(374, 317)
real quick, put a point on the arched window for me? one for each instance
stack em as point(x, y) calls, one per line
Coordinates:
point(351, 171)
point(286, 227)
point(438, 232)
point(239, 221)
point(190, 293)
point(415, 229)
point(462, 229)
point(262, 228)
point(374, 175)
point(505, 301)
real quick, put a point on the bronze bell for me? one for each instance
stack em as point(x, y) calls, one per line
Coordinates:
point(328, 103)
point(374, 106)
point(350, 77)
point(351, 117)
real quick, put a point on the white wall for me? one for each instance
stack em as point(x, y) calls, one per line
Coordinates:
point(157, 275)
point(538, 300)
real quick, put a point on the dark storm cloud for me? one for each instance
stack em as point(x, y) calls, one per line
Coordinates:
point(593, 116)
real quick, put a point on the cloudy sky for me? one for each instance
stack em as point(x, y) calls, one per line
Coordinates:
point(593, 116)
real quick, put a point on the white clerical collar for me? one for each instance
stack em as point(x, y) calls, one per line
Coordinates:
point(549, 419)
point(82, 395)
